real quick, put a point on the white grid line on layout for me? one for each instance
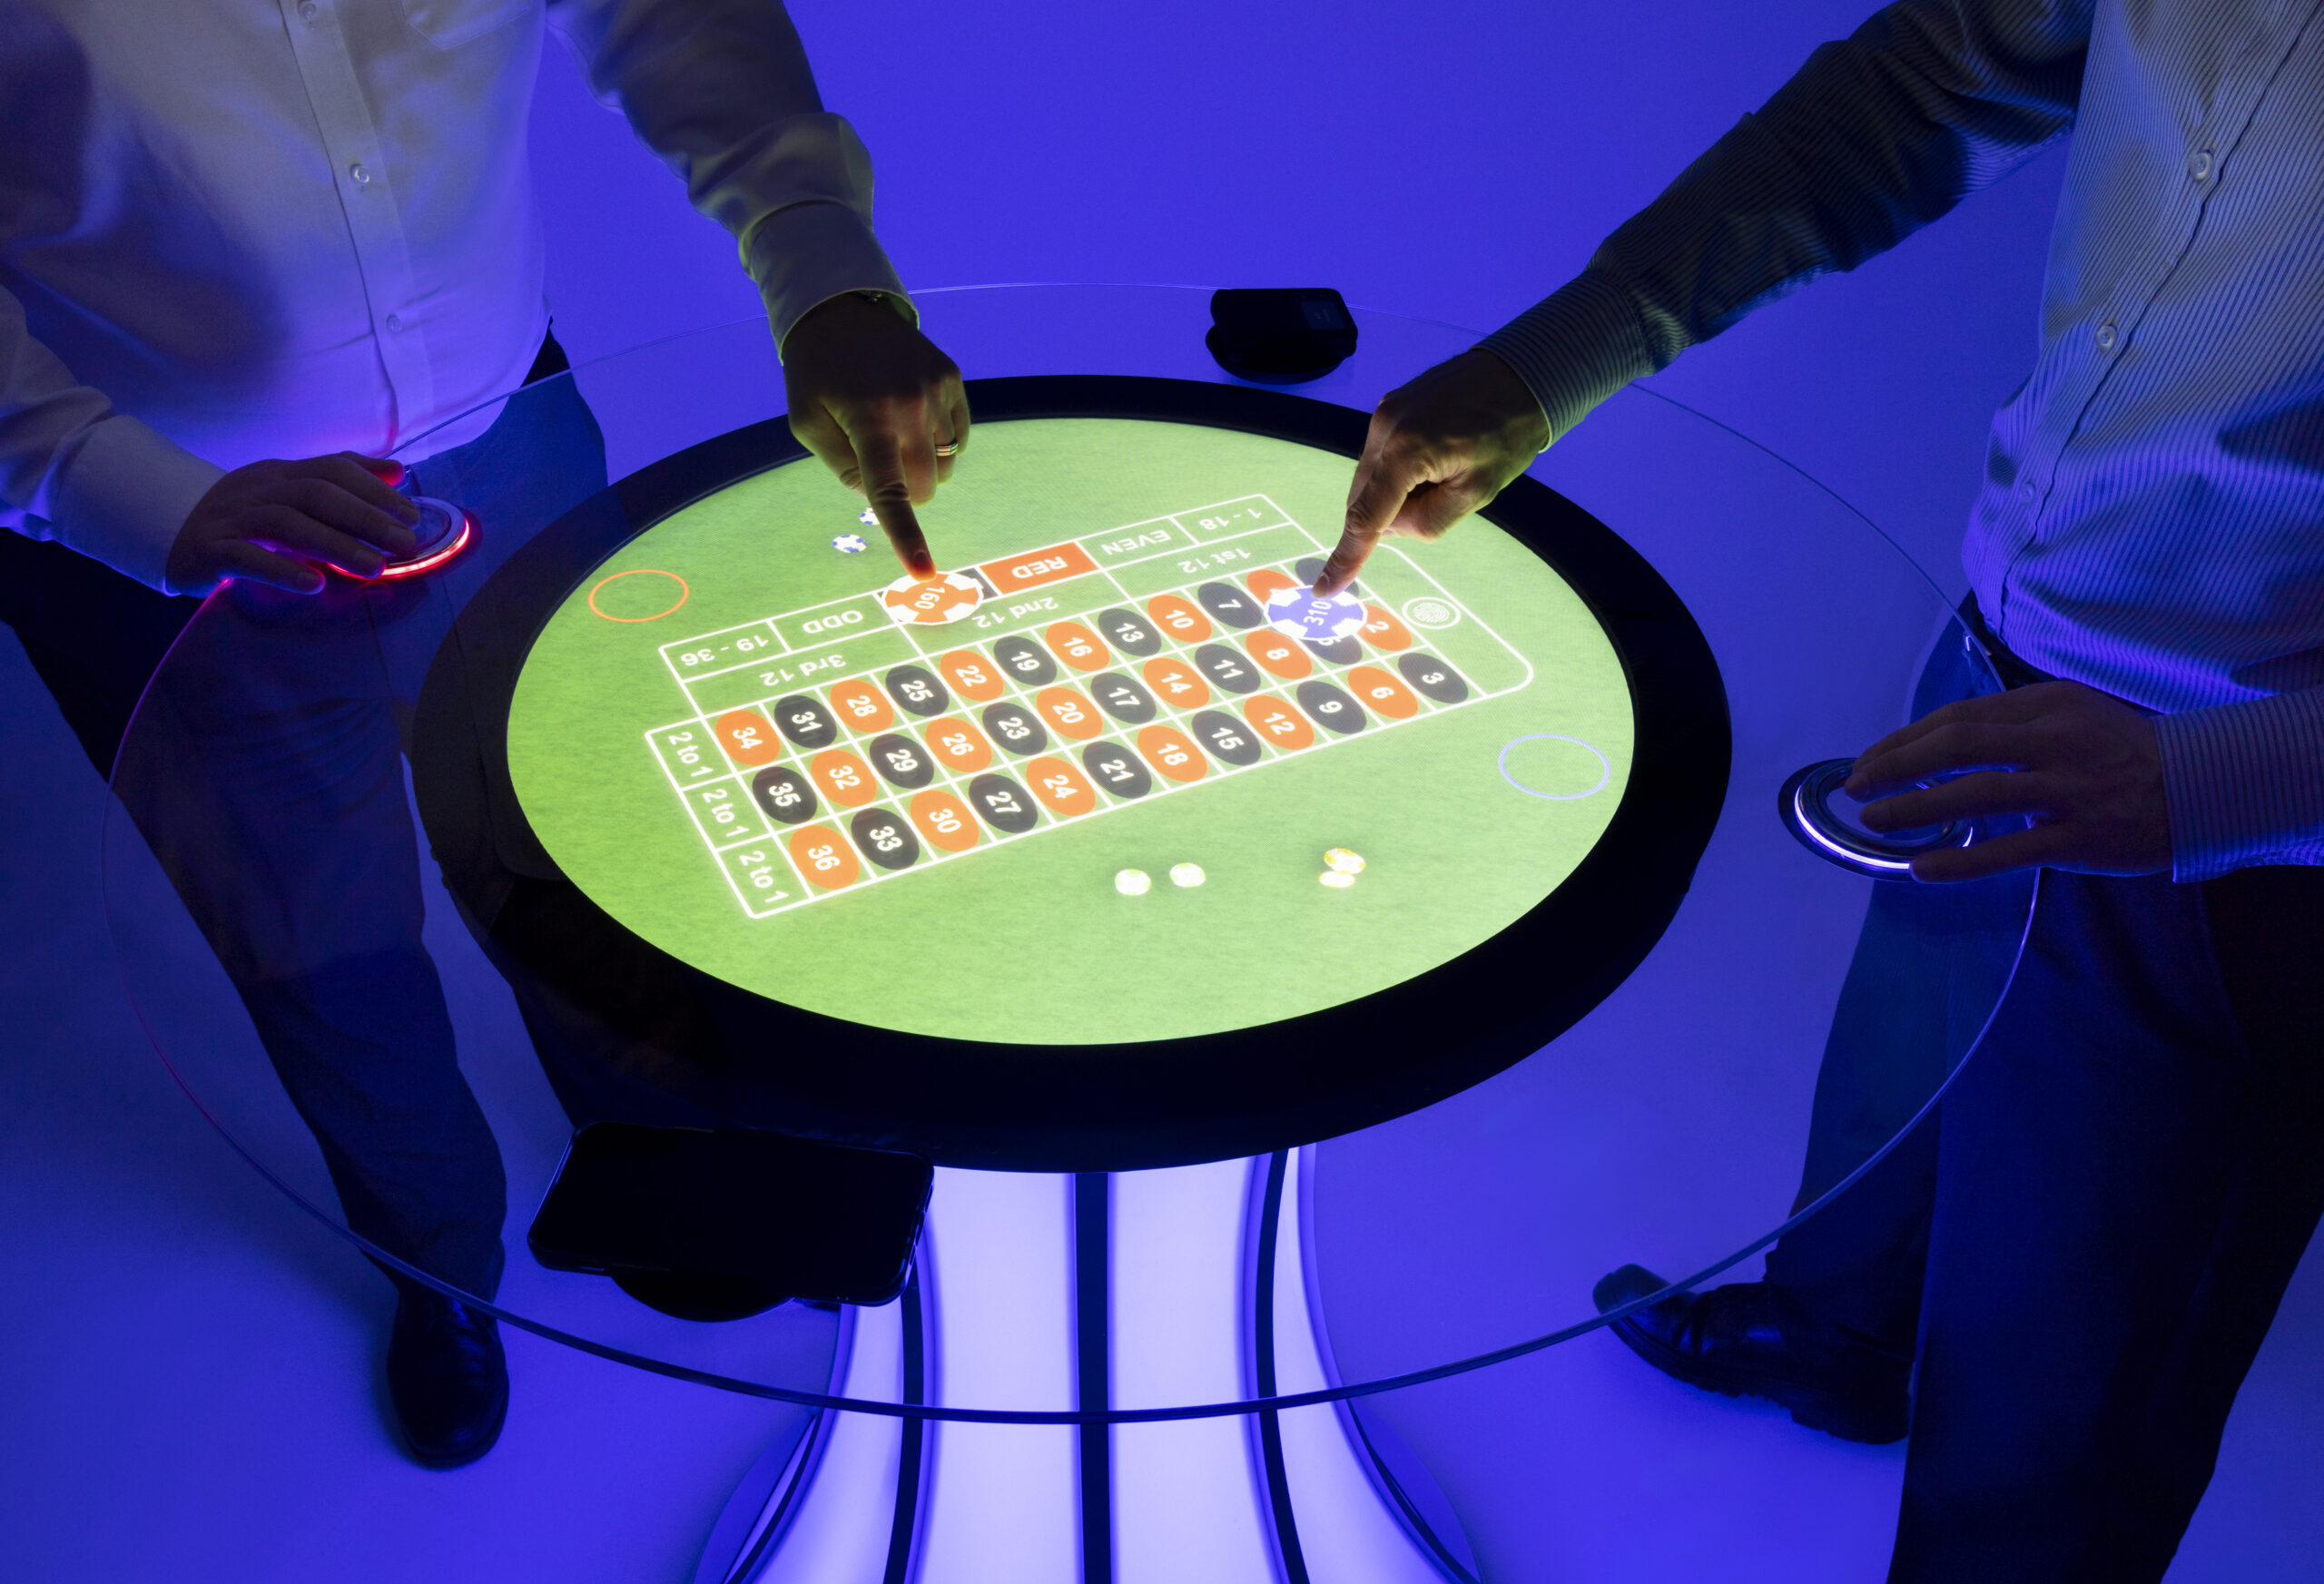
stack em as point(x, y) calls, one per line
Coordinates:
point(1003, 761)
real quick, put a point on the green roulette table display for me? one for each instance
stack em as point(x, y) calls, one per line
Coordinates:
point(1001, 864)
point(1299, 1005)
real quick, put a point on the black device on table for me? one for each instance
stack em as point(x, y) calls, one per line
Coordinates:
point(1280, 334)
point(713, 1223)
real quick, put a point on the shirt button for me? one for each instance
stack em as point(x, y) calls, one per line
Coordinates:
point(395, 324)
point(2027, 490)
point(2106, 337)
point(309, 10)
point(359, 174)
point(2199, 165)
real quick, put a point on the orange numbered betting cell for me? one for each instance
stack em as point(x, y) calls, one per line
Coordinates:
point(1277, 656)
point(973, 676)
point(844, 778)
point(1264, 583)
point(958, 747)
point(1383, 692)
point(944, 819)
point(1176, 683)
point(1168, 751)
point(1077, 645)
point(1062, 789)
point(1277, 723)
point(1181, 618)
point(1070, 711)
point(863, 707)
point(1383, 632)
point(824, 856)
point(748, 738)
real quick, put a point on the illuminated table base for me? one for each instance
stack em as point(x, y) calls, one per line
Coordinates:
point(1188, 1285)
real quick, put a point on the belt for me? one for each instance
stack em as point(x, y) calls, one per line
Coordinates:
point(2014, 673)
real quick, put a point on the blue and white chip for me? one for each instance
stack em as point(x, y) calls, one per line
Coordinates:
point(850, 545)
point(1296, 613)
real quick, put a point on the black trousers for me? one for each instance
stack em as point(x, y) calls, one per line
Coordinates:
point(2086, 1246)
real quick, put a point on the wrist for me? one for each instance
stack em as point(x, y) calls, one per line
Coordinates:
point(858, 309)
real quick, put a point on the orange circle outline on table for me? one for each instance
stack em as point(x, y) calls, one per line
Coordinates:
point(686, 592)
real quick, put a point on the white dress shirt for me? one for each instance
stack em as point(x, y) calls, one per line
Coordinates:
point(239, 229)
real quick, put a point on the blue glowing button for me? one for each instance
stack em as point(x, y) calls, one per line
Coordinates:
point(1816, 810)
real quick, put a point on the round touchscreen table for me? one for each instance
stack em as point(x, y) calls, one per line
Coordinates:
point(1216, 1041)
point(1111, 847)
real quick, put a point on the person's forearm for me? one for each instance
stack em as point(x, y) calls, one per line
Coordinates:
point(721, 89)
point(1875, 137)
point(75, 470)
point(2245, 782)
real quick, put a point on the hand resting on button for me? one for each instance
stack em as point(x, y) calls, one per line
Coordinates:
point(271, 522)
point(2087, 768)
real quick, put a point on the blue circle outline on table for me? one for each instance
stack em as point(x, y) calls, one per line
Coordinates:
point(1228, 1094)
point(1605, 768)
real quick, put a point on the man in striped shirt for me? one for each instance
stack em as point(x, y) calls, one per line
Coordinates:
point(2128, 1172)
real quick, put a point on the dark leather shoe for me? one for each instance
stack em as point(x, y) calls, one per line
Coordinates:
point(447, 1378)
point(1734, 1340)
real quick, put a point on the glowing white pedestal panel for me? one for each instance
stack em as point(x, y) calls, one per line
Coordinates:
point(1204, 1297)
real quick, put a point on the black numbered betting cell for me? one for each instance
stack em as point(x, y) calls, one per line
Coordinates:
point(1123, 699)
point(1002, 804)
point(1226, 737)
point(806, 722)
point(917, 692)
point(1025, 661)
point(1311, 567)
point(1114, 768)
point(902, 761)
point(1338, 650)
point(1129, 632)
point(885, 838)
point(1227, 670)
point(1230, 606)
point(1431, 678)
point(1015, 728)
point(784, 795)
point(1329, 707)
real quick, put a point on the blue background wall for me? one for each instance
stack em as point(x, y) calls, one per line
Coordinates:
point(188, 1392)
point(1453, 161)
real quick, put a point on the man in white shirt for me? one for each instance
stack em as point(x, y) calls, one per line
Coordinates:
point(233, 232)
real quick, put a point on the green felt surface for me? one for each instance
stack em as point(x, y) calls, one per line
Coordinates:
point(1027, 939)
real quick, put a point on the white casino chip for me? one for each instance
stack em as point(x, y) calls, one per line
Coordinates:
point(868, 516)
point(914, 603)
point(850, 545)
point(1296, 613)
point(1187, 874)
point(1133, 882)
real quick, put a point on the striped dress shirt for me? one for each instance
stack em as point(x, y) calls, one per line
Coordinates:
point(2151, 516)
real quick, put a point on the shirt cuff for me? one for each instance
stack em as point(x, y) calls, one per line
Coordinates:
point(123, 492)
point(1575, 347)
point(2245, 784)
point(808, 253)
